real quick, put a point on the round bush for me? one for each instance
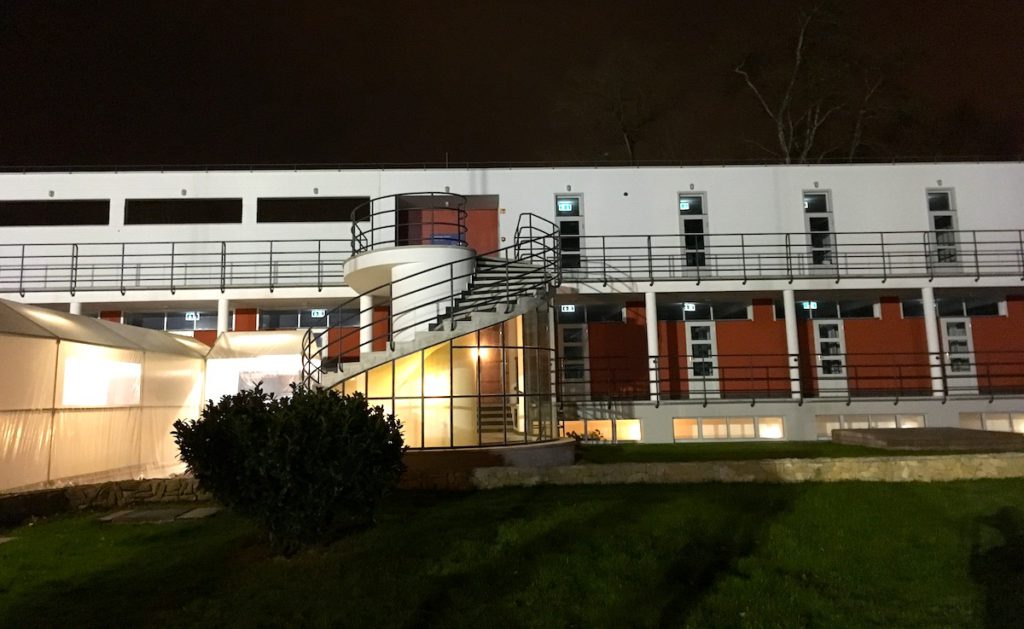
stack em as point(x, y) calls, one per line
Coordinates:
point(306, 467)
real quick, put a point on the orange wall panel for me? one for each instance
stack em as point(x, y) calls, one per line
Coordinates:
point(482, 229)
point(999, 348)
point(672, 360)
point(752, 354)
point(381, 323)
point(113, 316)
point(245, 319)
point(209, 337)
point(343, 342)
point(887, 355)
point(618, 360)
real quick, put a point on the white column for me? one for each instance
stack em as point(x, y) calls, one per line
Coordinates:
point(931, 334)
point(792, 341)
point(365, 324)
point(651, 316)
point(75, 307)
point(223, 313)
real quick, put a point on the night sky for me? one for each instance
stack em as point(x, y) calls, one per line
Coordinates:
point(106, 83)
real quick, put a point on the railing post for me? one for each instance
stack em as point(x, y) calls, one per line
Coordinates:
point(743, 257)
point(270, 267)
point(835, 252)
point(319, 269)
point(885, 271)
point(391, 318)
point(604, 259)
point(172, 268)
point(122, 269)
point(789, 258)
point(74, 268)
point(451, 290)
point(1020, 242)
point(508, 291)
point(650, 261)
point(977, 261)
point(928, 257)
point(223, 265)
point(21, 273)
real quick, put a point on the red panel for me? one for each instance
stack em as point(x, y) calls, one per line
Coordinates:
point(808, 359)
point(482, 229)
point(636, 315)
point(752, 354)
point(887, 355)
point(672, 360)
point(381, 323)
point(245, 319)
point(999, 348)
point(618, 364)
point(208, 337)
point(111, 315)
point(344, 342)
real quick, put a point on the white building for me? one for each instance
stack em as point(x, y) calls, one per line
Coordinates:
point(651, 304)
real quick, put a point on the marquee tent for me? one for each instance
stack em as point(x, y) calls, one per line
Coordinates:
point(84, 400)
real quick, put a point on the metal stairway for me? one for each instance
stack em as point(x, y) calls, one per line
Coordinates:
point(503, 284)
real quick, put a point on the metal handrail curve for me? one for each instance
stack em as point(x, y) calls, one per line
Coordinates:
point(382, 221)
point(531, 245)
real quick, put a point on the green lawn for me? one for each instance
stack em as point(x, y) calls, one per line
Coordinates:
point(731, 451)
point(809, 555)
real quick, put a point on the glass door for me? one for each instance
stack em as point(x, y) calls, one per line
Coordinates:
point(818, 210)
point(702, 360)
point(830, 344)
point(958, 359)
point(942, 216)
point(693, 225)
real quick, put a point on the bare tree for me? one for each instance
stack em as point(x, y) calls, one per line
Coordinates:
point(808, 96)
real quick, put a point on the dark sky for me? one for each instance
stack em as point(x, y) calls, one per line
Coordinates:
point(218, 82)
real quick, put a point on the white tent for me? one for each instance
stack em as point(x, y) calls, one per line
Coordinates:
point(84, 400)
point(240, 360)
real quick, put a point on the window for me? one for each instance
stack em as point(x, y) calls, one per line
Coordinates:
point(958, 307)
point(181, 211)
point(64, 212)
point(311, 209)
point(942, 217)
point(912, 308)
point(569, 216)
point(716, 428)
point(999, 422)
point(693, 224)
point(702, 311)
point(818, 213)
point(827, 423)
point(604, 312)
point(605, 430)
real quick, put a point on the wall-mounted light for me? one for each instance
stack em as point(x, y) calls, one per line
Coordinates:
point(691, 186)
point(51, 193)
point(810, 305)
point(184, 192)
point(568, 188)
point(815, 184)
point(316, 190)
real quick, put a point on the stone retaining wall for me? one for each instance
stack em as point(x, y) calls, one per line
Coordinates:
point(872, 469)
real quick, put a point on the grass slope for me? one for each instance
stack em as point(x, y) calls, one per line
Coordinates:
point(811, 555)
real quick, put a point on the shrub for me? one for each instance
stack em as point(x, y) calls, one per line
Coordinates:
point(305, 467)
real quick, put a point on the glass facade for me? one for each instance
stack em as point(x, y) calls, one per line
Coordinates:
point(488, 387)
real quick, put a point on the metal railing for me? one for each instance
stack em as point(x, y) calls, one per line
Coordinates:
point(134, 266)
point(767, 377)
point(128, 266)
point(789, 256)
point(535, 243)
point(409, 218)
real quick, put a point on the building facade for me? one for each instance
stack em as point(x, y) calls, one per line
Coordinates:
point(620, 304)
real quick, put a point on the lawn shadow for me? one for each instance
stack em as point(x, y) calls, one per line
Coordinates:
point(711, 555)
point(999, 567)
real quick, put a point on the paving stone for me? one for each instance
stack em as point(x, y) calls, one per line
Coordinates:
point(4, 540)
point(198, 514)
point(115, 515)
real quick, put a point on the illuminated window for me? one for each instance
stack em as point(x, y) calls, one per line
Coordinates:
point(827, 423)
point(769, 427)
point(713, 428)
point(999, 422)
point(605, 430)
point(685, 429)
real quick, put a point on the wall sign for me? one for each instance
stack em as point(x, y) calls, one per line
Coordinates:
point(318, 313)
point(568, 308)
point(191, 316)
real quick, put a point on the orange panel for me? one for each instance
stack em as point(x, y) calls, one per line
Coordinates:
point(618, 364)
point(245, 319)
point(381, 323)
point(672, 360)
point(209, 337)
point(752, 354)
point(999, 348)
point(344, 342)
point(113, 316)
point(482, 229)
point(887, 355)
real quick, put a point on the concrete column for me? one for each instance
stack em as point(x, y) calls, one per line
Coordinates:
point(365, 324)
point(651, 316)
point(792, 341)
point(75, 307)
point(223, 315)
point(931, 334)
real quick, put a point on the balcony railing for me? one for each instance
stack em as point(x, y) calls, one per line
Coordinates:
point(134, 266)
point(269, 264)
point(767, 377)
point(789, 256)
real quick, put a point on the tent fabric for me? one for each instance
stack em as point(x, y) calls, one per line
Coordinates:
point(84, 400)
point(256, 344)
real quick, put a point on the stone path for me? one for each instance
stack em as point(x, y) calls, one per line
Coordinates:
point(4, 540)
point(170, 514)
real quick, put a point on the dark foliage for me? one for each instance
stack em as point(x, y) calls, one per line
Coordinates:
point(306, 467)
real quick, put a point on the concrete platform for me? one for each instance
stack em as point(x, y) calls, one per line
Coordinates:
point(937, 439)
